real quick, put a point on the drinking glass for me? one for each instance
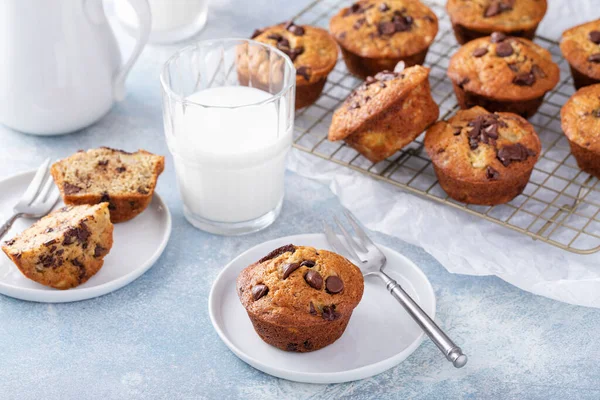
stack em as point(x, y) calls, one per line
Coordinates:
point(228, 110)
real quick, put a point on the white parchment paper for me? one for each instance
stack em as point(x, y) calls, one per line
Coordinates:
point(462, 243)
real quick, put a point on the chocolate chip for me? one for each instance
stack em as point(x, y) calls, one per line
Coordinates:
point(256, 33)
point(104, 198)
point(292, 347)
point(60, 252)
point(80, 233)
point(513, 152)
point(386, 28)
point(314, 279)
point(10, 242)
point(359, 22)
point(289, 268)
point(18, 255)
point(524, 79)
point(596, 113)
point(100, 251)
point(498, 37)
point(342, 35)
point(329, 313)
point(484, 129)
point(121, 169)
point(311, 309)
point(498, 7)
point(142, 190)
point(288, 248)
point(294, 29)
point(383, 7)
point(356, 8)
point(48, 230)
point(457, 130)
point(538, 71)
point(53, 249)
point(595, 58)
point(275, 36)
point(102, 163)
point(304, 72)
point(259, 291)
point(354, 105)
point(491, 173)
point(594, 36)
point(50, 242)
point(76, 262)
point(480, 52)
point(69, 188)
point(307, 344)
point(504, 49)
point(307, 263)
point(334, 285)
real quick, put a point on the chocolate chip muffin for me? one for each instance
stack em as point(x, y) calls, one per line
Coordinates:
point(299, 298)
point(375, 35)
point(580, 120)
point(502, 73)
point(385, 113)
point(65, 248)
point(125, 180)
point(472, 19)
point(581, 47)
point(481, 157)
point(313, 52)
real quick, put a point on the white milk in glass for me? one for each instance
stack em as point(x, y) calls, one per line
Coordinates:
point(231, 161)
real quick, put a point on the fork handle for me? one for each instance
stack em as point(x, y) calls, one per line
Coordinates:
point(6, 226)
point(452, 352)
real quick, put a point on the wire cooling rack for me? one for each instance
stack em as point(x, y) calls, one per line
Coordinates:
point(561, 203)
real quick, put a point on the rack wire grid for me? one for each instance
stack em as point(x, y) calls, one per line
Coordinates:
point(559, 206)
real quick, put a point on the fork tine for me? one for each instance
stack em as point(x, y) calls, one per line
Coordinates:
point(36, 183)
point(41, 196)
point(334, 241)
point(359, 231)
point(52, 198)
point(354, 245)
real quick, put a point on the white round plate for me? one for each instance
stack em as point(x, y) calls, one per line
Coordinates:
point(379, 336)
point(137, 245)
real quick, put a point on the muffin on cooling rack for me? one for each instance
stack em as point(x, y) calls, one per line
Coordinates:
point(313, 52)
point(580, 120)
point(385, 113)
point(472, 19)
point(375, 35)
point(503, 73)
point(580, 45)
point(299, 298)
point(65, 248)
point(481, 157)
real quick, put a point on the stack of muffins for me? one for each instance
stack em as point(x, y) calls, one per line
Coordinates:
point(486, 152)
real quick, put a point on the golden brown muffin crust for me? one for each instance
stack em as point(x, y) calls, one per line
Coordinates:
point(373, 98)
point(504, 68)
point(385, 29)
point(580, 45)
point(287, 299)
point(465, 150)
point(312, 49)
point(497, 15)
point(581, 118)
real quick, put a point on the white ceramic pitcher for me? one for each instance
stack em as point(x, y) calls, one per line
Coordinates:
point(60, 67)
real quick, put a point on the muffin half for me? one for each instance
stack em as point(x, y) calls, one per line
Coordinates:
point(385, 113)
point(313, 52)
point(472, 19)
point(580, 120)
point(502, 73)
point(580, 45)
point(481, 157)
point(375, 35)
point(299, 298)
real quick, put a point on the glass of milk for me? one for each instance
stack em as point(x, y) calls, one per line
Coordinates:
point(172, 20)
point(228, 109)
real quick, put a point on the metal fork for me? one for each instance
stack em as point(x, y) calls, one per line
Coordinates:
point(38, 200)
point(372, 262)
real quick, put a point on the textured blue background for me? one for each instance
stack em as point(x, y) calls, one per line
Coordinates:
point(153, 338)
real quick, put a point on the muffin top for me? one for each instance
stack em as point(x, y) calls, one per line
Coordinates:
point(497, 15)
point(312, 50)
point(581, 47)
point(374, 97)
point(385, 28)
point(580, 117)
point(299, 286)
point(504, 68)
point(478, 146)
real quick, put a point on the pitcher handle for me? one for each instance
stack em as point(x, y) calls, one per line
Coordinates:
point(142, 10)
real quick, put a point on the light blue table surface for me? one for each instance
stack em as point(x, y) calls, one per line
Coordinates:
point(153, 338)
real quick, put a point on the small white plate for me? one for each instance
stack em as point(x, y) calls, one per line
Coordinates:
point(379, 336)
point(137, 245)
